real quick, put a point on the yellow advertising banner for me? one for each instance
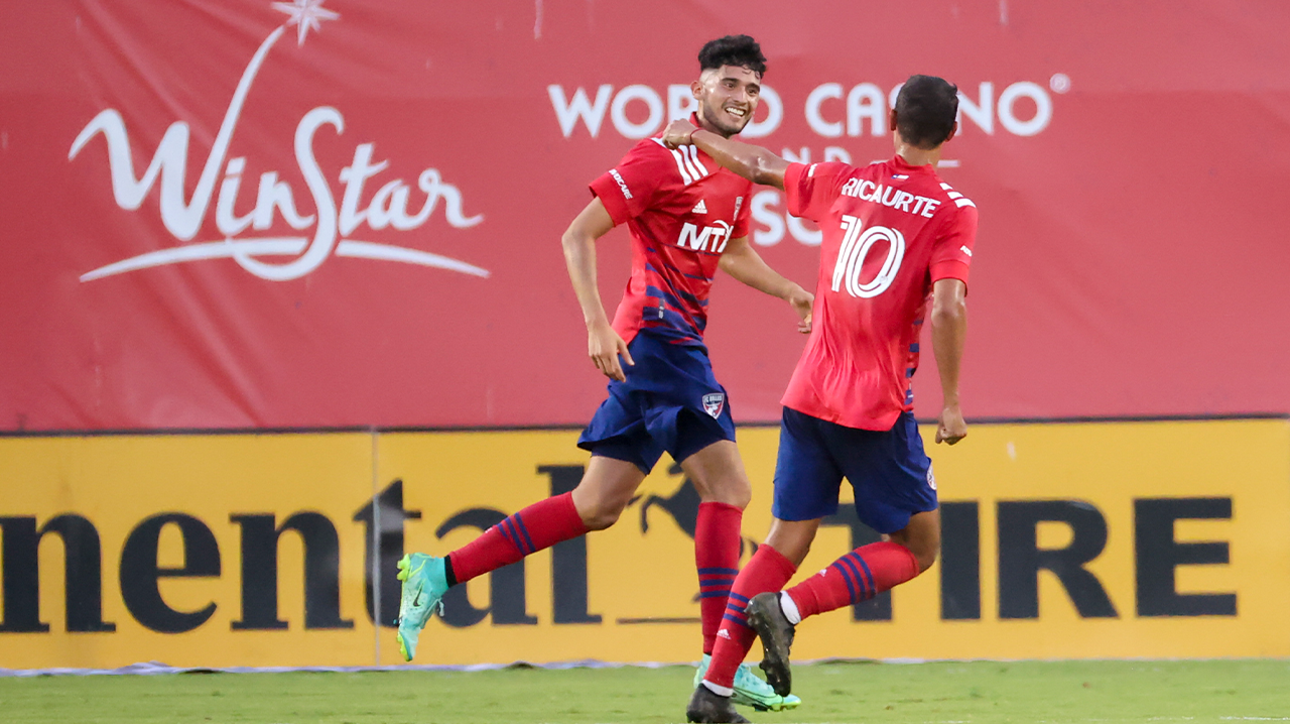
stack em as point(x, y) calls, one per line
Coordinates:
point(1146, 539)
point(187, 550)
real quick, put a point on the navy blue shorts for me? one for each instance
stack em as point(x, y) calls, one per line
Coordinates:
point(888, 470)
point(670, 402)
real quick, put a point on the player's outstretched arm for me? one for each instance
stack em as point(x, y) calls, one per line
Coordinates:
point(742, 262)
point(579, 242)
point(752, 162)
point(949, 330)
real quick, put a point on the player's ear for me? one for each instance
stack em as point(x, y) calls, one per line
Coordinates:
point(696, 89)
point(954, 129)
point(891, 120)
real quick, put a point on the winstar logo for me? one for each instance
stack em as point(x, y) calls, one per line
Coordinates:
point(332, 226)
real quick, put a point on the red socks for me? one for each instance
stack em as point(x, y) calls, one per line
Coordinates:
point(538, 526)
point(858, 576)
point(716, 554)
point(768, 570)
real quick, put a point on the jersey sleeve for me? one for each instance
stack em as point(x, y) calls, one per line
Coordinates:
point(812, 188)
point(629, 188)
point(952, 253)
point(743, 219)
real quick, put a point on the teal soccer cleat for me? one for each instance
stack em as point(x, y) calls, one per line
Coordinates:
point(750, 690)
point(425, 580)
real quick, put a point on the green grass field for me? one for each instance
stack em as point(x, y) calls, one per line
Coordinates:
point(945, 693)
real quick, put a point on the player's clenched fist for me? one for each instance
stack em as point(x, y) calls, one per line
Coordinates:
point(603, 346)
point(678, 133)
point(951, 426)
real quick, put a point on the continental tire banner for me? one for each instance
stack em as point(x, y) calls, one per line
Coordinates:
point(248, 214)
point(1160, 539)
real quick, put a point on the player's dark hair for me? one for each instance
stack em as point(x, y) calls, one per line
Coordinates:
point(739, 50)
point(925, 110)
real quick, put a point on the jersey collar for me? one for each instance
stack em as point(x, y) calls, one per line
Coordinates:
point(905, 167)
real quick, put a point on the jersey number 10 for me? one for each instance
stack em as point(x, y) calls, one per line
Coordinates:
point(854, 251)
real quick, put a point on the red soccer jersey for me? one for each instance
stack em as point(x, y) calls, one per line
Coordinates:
point(890, 231)
point(682, 209)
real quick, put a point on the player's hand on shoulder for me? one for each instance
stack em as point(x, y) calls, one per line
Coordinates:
point(801, 301)
point(603, 346)
point(951, 427)
point(677, 133)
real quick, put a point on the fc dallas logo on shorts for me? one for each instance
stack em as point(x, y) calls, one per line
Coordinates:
point(712, 404)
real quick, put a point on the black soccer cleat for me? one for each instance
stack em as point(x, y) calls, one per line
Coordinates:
point(706, 707)
point(776, 634)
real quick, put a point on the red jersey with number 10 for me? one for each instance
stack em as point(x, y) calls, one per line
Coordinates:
point(682, 209)
point(890, 231)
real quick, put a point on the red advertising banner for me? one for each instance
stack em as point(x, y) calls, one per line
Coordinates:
point(334, 213)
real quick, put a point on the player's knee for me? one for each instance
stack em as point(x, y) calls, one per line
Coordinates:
point(926, 557)
point(600, 514)
point(729, 489)
point(739, 497)
point(924, 548)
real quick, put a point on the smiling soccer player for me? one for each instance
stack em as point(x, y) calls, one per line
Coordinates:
point(688, 217)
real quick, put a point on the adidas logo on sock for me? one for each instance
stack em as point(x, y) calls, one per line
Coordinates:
point(723, 634)
point(699, 208)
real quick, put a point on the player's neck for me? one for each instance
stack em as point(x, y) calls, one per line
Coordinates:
point(915, 156)
point(705, 125)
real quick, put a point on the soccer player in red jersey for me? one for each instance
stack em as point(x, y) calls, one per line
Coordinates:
point(687, 217)
point(895, 234)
